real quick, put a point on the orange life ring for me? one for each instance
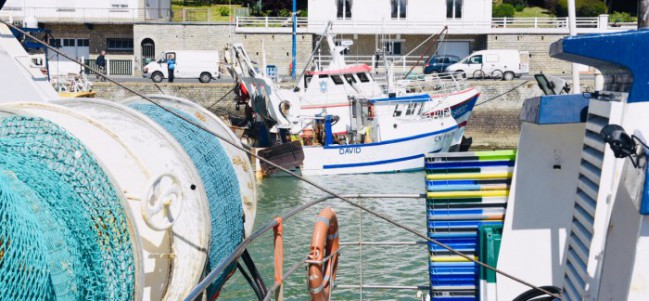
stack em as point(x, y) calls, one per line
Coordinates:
point(323, 243)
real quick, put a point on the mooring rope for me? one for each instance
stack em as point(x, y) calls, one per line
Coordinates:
point(212, 276)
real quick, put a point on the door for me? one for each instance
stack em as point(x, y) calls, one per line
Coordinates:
point(459, 49)
point(474, 64)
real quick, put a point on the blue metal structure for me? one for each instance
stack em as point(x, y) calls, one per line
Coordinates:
point(616, 55)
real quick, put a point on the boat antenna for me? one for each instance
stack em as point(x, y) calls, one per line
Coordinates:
point(226, 262)
point(315, 50)
point(438, 37)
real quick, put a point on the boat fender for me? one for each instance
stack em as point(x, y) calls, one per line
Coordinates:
point(324, 244)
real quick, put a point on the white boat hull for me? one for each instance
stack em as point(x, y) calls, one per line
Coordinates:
point(388, 156)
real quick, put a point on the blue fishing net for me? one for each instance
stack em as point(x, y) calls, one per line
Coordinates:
point(23, 251)
point(219, 178)
point(67, 220)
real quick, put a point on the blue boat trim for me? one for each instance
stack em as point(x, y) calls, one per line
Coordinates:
point(332, 166)
point(394, 140)
point(415, 98)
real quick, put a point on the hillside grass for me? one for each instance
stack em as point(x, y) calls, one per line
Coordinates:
point(201, 13)
point(534, 11)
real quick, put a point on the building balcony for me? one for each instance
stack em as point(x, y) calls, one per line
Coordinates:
point(493, 26)
point(87, 15)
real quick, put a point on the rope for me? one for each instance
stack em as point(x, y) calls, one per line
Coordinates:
point(328, 191)
point(443, 32)
point(501, 95)
point(252, 284)
point(219, 100)
point(279, 250)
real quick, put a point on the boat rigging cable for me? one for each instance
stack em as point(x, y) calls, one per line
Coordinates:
point(444, 32)
point(224, 264)
point(501, 95)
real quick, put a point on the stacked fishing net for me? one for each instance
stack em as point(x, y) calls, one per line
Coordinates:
point(218, 177)
point(64, 233)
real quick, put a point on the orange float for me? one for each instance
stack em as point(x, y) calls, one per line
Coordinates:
point(324, 243)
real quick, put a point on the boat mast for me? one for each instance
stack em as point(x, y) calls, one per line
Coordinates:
point(572, 25)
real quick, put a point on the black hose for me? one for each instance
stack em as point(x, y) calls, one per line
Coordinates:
point(252, 284)
point(247, 259)
point(534, 293)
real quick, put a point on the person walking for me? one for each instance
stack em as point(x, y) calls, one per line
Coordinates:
point(171, 66)
point(101, 64)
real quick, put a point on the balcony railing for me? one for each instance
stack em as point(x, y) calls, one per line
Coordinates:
point(495, 25)
point(84, 15)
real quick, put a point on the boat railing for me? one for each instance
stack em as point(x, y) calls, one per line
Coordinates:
point(200, 289)
point(436, 83)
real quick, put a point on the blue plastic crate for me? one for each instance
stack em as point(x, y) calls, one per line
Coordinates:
point(460, 225)
point(467, 164)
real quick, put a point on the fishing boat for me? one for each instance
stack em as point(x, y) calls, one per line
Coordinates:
point(345, 120)
point(151, 198)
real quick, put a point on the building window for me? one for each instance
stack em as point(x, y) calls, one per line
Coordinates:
point(83, 42)
point(392, 47)
point(344, 9)
point(120, 44)
point(55, 43)
point(454, 9)
point(68, 43)
point(399, 9)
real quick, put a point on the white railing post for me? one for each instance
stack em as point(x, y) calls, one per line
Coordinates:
point(209, 14)
point(602, 23)
point(266, 21)
point(107, 66)
point(236, 21)
point(184, 14)
point(505, 22)
point(536, 22)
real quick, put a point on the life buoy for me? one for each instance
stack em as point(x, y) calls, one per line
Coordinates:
point(324, 242)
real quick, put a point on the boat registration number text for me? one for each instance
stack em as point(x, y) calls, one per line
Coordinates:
point(349, 150)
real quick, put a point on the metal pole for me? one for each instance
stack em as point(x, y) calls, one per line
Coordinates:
point(643, 14)
point(572, 20)
point(294, 39)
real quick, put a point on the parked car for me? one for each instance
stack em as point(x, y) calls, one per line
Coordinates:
point(438, 63)
point(200, 64)
point(496, 64)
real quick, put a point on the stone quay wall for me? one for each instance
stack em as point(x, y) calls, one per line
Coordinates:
point(494, 123)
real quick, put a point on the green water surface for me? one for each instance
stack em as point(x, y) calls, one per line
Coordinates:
point(382, 265)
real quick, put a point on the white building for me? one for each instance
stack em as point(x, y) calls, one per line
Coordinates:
point(395, 15)
point(80, 11)
point(83, 28)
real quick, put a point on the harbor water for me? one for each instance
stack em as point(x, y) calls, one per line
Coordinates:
point(381, 265)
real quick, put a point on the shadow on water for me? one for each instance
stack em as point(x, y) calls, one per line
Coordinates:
point(382, 265)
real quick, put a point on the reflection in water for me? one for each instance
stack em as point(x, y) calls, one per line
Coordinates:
point(382, 265)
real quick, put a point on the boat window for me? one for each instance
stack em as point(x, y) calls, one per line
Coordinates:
point(398, 110)
point(323, 76)
point(350, 78)
point(363, 77)
point(337, 80)
point(413, 108)
point(307, 80)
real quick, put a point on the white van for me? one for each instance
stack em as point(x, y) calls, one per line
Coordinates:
point(200, 64)
point(496, 64)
